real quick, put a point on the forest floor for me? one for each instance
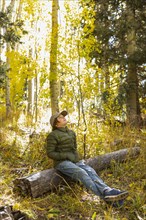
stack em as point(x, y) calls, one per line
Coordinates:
point(72, 202)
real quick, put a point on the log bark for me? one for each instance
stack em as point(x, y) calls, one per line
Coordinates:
point(37, 184)
point(104, 161)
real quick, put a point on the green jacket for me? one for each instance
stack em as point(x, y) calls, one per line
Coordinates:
point(61, 145)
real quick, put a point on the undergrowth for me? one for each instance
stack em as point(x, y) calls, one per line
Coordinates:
point(73, 201)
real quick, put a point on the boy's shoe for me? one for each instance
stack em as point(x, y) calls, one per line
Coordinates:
point(115, 195)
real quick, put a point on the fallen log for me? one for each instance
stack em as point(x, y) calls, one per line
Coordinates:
point(37, 184)
point(104, 161)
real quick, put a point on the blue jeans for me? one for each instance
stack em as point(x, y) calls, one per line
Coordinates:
point(84, 174)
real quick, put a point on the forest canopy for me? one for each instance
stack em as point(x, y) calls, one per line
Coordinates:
point(90, 53)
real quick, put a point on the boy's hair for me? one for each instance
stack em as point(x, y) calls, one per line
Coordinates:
point(54, 124)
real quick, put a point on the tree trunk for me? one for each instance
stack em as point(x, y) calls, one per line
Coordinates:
point(30, 91)
point(7, 86)
point(36, 97)
point(44, 181)
point(8, 102)
point(2, 8)
point(18, 17)
point(54, 86)
point(30, 97)
point(133, 108)
point(81, 101)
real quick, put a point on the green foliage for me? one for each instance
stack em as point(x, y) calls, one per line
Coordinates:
point(13, 30)
point(2, 73)
point(30, 7)
point(22, 69)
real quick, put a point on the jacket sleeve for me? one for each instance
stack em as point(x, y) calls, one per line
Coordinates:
point(51, 147)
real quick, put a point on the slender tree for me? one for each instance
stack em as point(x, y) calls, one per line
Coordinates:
point(133, 106)
point(8, 48)
point(54, 86)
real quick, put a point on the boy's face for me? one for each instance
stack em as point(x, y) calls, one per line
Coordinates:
point(61, 121)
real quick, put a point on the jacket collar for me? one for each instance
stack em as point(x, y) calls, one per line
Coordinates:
point(64, 129)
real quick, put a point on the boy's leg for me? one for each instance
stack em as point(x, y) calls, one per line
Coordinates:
point(97, 186)
point(108, 194)
point(77, 173)
point(102, 187)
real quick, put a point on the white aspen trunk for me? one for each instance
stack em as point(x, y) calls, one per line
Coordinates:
point(36, 79)
point(7, 86)
point(36, 85)
point(2, 8)
point(54, 85)
point(82, 102)
point(33, 83)
point(8, 103)
point(18, 17)
point(36, 97)
point(2, 5)
point(30, 97)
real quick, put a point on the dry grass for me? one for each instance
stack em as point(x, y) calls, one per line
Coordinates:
point(74, 202)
